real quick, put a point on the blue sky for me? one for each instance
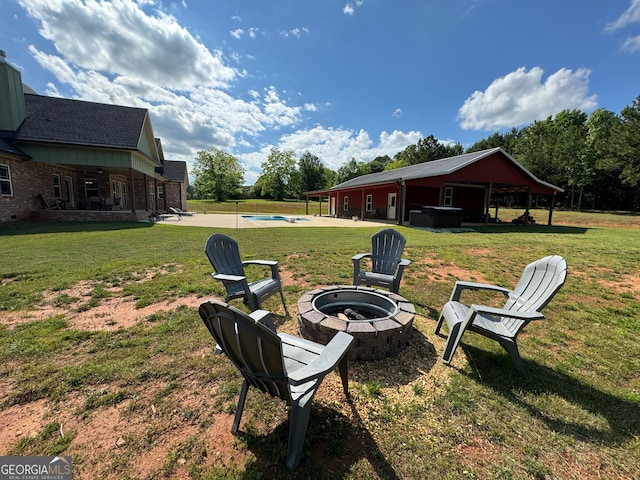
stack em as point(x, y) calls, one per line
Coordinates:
point(342, 79)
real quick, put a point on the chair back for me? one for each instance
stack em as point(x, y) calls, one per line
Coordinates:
point(252, 347)
point(224, 255)
point(538, 284)
point(386, 251)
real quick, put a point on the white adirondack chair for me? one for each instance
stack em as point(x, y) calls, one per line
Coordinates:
point(538, 284)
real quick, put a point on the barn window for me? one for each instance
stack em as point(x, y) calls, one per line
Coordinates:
point(369, 203)
point(448, 196)
point(346, 203)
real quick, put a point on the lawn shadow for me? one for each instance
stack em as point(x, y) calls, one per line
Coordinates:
point(498, 372)
point(30, 228)
point(513, 228)
point(333, 446)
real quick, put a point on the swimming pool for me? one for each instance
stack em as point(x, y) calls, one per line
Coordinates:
point(269, 218)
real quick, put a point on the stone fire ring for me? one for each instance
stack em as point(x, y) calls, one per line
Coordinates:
point(376, 338)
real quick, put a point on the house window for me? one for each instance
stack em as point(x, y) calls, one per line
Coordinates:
point(369, 203)
point(5, 180)
point(90, 187)
point(160, 192)
point(345, 204)
point(114, 191)
point(57, 191)
point(152, 195)
point(448, 196)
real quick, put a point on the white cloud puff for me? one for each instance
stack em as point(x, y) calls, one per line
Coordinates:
point(522, 96)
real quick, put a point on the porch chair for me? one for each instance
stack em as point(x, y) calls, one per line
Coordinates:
point(284, 366)
point(179, 211)
point(538, 284)
point(387, 264)
point(224, 255)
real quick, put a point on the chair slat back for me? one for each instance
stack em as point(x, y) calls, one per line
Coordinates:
point(538, 284)
point(386, 251)
point(224, 255)
point(252, 347)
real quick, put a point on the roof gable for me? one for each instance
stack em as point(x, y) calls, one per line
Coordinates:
point(76, 122)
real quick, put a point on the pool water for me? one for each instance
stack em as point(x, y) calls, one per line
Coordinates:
point(268, 218)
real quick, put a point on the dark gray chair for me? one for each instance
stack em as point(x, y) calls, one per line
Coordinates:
point(284, 366)
point(538, 284)
point(387, 264)
point(224, 255)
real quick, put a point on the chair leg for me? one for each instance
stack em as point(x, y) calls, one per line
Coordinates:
point(343, 368)
point(512, 349)
point(299, 420)
point(439, 325)
point(284, 304)
point(452, 342)
point(240, 407)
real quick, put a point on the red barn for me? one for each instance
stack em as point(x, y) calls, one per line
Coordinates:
point(468, 184)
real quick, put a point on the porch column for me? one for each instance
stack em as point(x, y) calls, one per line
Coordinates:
point(487, 202)
point(553, 199)
point(402, 199)
point(132, 197)
point(362, 205)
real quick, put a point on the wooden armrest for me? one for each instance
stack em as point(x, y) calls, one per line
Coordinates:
point(359, 256)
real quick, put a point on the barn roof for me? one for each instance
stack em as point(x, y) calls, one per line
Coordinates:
point(435, 168)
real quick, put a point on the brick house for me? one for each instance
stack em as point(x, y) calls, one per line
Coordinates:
point(63, 159)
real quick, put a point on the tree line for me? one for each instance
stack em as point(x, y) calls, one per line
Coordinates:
point(594, 157)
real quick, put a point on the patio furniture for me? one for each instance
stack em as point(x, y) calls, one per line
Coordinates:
point(284, 366)
point(224, 255)
point(179, 211)
point(387, 264)
point(538, 284)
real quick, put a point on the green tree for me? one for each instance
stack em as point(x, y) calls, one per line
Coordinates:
point(279, 174)
point(311, 173)
point(426, 150)
point(626, 138)
point(218, 175)
point(351, 169)
point(505, 141)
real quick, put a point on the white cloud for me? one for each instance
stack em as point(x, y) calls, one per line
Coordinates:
point(521, 97)
point(348, 9)
point(397, 113)
point(629, 17)
point(119, 38)
point(237, 33)
point(333, 146)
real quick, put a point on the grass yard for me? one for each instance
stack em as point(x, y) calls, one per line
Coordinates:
point(103, 356)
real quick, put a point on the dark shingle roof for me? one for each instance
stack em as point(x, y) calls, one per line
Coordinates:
point(175, 171)
point(60, 120)
point(7, 146)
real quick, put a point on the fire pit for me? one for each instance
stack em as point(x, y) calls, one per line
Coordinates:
point(380, 321)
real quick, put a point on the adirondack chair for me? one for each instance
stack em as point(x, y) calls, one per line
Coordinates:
point(387, 264)
point(284, 366)
point(538, 284)
point(224, 255)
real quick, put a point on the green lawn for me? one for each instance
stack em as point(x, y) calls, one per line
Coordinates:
point(149, 400)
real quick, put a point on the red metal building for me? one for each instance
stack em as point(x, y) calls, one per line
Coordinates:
point(474, 183)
